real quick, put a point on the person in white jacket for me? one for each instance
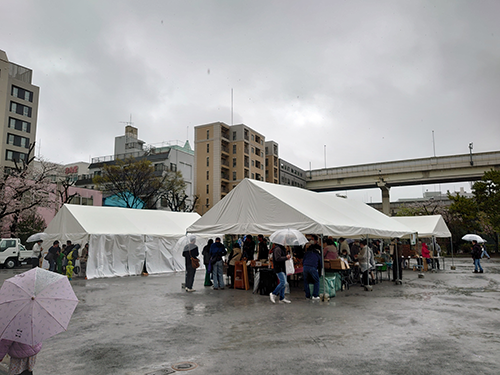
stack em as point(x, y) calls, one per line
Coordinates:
point(366, 262)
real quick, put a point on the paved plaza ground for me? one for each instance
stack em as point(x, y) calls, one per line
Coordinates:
point(444, 323)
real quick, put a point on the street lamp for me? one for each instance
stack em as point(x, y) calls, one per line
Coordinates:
point(471, 145)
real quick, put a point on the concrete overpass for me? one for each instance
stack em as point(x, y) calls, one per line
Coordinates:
point(432, 170)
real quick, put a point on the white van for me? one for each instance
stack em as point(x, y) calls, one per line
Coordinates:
point(13, 253)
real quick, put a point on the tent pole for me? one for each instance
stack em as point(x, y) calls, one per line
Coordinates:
point(452, 260)
point(323, 265)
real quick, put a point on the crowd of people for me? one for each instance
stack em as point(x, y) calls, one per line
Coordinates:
point(62, 259)
point(216, 257)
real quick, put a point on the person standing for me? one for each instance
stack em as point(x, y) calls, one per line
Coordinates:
point(217, 251)
point(397, 262)
point(206, 262)
point(84, 256)
point(426, 254)
point(37, 254)
point(366, 262)
point(52, 256)
point(312, 266)
point(476, 255)
point(263, 252)
point(190, 251)
point(279, 258)
point(248, 247)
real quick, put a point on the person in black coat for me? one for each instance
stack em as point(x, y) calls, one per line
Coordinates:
point(206, 261)
point(190, 251)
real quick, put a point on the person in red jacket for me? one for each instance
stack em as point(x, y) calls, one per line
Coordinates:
point(426, 254)
point(22, 356)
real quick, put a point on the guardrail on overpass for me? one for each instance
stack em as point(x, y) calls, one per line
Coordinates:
point(432, 170)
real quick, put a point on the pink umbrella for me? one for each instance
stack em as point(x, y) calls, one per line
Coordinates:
point(35, 305)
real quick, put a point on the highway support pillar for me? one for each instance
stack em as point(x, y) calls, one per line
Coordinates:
point(386, 201)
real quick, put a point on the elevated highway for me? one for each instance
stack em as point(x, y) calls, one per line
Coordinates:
point(432, 170)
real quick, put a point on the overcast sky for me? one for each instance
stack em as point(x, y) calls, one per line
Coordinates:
point(370, 80)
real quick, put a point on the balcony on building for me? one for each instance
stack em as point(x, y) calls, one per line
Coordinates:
point(224, 146)
point(225, 163)
point(224, 176)
point(224, 132)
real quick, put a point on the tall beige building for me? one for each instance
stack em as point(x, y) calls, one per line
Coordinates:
point(18, 111)
point(225, 155)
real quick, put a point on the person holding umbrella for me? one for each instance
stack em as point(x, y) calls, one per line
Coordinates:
point(279, 258)
point(476, 255)
point(22, 356)
point(34, 305)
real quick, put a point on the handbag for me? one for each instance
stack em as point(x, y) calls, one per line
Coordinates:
point(195, 262)
point(290, 269)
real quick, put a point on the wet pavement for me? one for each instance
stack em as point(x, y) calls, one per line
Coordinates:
point(444, 323)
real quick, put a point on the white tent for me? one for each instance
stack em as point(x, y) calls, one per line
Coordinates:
point(259, 207)
point(426, 226)
point(121, 239)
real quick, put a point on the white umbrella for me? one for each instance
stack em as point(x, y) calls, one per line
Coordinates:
point(473, 237)
point(36, 237)
point(288, 237)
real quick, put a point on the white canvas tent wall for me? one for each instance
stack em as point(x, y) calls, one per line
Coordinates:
point(426, 226)
point(120, 239)
point(259, 207)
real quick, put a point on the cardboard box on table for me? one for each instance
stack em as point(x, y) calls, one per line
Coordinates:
point(337, 264)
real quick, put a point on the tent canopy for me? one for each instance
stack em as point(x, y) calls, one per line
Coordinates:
point(426, 226)
point(122, 239)
point(260, 207)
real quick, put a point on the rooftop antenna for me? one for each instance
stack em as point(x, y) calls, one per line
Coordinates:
point(128, 122)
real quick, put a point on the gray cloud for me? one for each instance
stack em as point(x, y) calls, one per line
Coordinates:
point(370, 80)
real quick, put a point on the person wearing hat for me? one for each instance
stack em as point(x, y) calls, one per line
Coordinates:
point(190, 251)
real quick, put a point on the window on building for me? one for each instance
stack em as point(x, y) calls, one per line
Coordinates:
point(22, 93)
point(208, 147)
point(208, 134)
point(234, 136)
point(208, 202)
point(173, 167)
point(208, 175)
point(208, 161)
point(253, 150)
point(208, 189)
point(15, 156)
point(234, 162)
point(158, 167)
point(234, 176)
point(253, 138)
point(16, 140)
point(20, 109)
point(253, 176)
point(19, 125)
point(234, 149)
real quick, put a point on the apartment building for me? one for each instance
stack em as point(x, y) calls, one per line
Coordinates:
point(165, 157)
point(224, 156)
point(18, 111)
point(291, 175)
point(272, 162)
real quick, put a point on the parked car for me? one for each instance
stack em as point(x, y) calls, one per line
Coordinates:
point(13, 253)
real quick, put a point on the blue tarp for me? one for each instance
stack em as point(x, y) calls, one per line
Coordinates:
point(119, 201)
